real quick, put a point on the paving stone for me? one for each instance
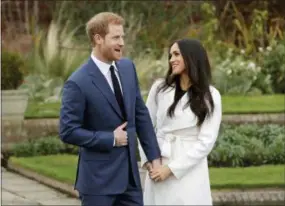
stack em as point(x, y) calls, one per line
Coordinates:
point(250, 197)
point(9, 198)
point(18, 190)
point(43, 195)
point(63, 201)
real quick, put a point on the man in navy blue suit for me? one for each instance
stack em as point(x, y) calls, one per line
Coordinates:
point(103, 112)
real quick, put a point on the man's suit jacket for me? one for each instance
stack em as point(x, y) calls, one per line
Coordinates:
point(90, 113)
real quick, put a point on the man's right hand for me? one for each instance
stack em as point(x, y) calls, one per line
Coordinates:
point(120, 135)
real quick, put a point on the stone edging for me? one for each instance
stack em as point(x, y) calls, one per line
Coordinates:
point(62, 187)
point(269, 118)
point(229, 197)
point(277, 118)
point(35, 128)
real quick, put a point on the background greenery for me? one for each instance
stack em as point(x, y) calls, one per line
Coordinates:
point(245, 156)
point(244, 40)
point(237, 146)
point(63, 168)
point(46, 42)
point(230, 105)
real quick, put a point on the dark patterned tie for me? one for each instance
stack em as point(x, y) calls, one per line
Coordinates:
point(117, 91)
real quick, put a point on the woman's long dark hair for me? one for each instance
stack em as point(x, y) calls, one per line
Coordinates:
point(199, 72)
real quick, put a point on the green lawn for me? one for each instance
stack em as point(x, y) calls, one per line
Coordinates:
point(253, 104)
point(42, 110)
point(63, 168)
point(231, 105)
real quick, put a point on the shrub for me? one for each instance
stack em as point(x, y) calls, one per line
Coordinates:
point(53, 58)
point(236, 146)
point(11, 74)
point(275, 152)
point(149, 69)
point(41, 89)
point(25, 149)
point(42, 146)
point(247, 145)
point(274, 65)
point(49, 145)
point(235, 74)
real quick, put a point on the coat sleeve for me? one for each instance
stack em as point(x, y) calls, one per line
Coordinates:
point(206, 139)
point(71, 119)
point(144, 127)
point(151, 104)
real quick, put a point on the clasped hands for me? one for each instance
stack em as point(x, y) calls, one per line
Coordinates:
point(157, 171)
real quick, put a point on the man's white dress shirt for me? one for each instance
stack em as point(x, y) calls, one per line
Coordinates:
point(105, 70)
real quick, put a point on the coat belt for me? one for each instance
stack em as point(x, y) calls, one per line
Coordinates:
point(168, 139)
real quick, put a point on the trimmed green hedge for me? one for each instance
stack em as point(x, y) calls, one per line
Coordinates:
point(237, 145)
point(42, 146)
point(249, 144)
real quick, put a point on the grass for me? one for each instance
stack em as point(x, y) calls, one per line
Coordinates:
point(59, 167)
point(63, 168)
point(231, 105)
point(253, 104)
point(265, 176)
point(42, 110)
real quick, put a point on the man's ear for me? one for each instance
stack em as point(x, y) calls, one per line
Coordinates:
point(97, 39)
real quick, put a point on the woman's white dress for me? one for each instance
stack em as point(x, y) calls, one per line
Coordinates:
point(184, 147)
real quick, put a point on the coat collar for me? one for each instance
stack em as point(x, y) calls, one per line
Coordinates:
point(101, 83)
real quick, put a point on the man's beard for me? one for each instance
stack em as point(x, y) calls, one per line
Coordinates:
point(109, 55)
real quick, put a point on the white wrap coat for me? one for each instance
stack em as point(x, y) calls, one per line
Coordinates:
point(184, 148)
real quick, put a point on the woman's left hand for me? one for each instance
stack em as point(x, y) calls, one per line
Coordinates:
point(161, 173)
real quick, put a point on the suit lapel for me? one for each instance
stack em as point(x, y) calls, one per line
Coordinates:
point(102, 85)
point(124, 80)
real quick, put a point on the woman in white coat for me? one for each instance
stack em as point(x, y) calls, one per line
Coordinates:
point(186, 113)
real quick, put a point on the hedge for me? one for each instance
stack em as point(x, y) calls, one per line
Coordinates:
point(237, 145)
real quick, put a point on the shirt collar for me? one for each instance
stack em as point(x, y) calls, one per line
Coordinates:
point(103, 66)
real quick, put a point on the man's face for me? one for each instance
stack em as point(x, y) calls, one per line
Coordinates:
point(111, 46)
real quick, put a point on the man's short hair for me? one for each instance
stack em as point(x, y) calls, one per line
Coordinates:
point(99, 23)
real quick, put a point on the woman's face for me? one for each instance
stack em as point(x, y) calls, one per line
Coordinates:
point(176, 60)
